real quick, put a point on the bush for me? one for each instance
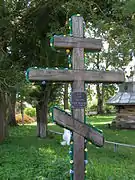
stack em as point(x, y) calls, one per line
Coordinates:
point(27, 119)
point(30, 112)
point(109, 109)
point(93, 107)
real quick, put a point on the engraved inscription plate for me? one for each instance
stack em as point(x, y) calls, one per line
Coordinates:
point(79, 100)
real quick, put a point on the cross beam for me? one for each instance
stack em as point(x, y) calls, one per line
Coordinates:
point(75, 75)
point(78, 76)
point(77, 42)
point(64, 119)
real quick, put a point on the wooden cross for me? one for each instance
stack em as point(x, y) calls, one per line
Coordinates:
point(66, 120)
point(78, 76)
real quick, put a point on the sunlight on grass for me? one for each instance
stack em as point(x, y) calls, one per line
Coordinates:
point(26, 157)
point(100, 118)
point(100, 122)
point(31, 124)
point(48, 150)
point(51, 124)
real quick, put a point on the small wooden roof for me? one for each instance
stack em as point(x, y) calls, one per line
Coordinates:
point(122, 98)
point(125, 96)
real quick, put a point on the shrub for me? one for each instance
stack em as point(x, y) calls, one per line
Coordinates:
point(93, 107)
point(27, 119)
point(109, 109)
point(30, 112)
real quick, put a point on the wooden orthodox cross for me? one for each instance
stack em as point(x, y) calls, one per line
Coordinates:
point(78, 76)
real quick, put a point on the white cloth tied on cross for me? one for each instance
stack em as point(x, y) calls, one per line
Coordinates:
point(66, 137)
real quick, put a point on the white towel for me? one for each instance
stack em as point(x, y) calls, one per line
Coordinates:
point(66, 137)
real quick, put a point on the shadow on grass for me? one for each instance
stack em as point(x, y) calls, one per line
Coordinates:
point(26, 157)
point(26, 136)
point(32, 157)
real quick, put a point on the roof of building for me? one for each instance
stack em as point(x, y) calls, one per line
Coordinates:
point(125, 96)
point(122, 98)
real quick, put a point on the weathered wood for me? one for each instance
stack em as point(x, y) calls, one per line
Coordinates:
point(125, 117)
point(71, 75)
point(78, 85)
point(65, 120)
point(78, 42)
point(78, 76)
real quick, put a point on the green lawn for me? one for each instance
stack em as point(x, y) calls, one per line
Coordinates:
point(26, 157)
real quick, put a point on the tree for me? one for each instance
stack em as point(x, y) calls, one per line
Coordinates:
point(25, 30)
point(11, 108)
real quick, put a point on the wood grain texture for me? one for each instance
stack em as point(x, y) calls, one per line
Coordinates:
point(125, 117)
point(76, 75)
point(78, 42)
point(78, 85)
point(65, 120)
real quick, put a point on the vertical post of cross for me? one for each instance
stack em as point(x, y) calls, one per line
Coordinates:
point(78, 63)
point(78, 76)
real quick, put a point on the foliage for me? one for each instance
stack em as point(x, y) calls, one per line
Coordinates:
point(93, 107)
point(26, 27)
point(109, 109)
point(129, 8)
point(30, 112)
point(27, 119)
point(34, 158)
point(25, 42)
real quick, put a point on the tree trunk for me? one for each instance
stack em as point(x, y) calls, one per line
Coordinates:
point(43, 120)
point(100, 98)
point(42, 112)
point(66, 96)
point(11, 109)
point(38, 120)
point(100, 92)
point(22, 111)
point(3, 122)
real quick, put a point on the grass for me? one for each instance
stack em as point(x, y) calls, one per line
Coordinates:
point(23, 156)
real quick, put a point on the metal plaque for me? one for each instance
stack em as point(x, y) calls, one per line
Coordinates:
point(79, 100)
